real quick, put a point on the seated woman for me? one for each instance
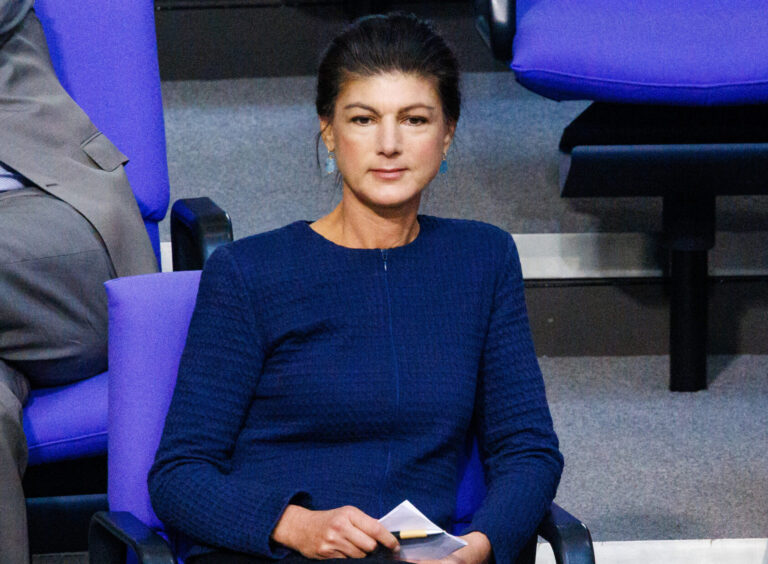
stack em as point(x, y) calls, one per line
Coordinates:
point(333, 369)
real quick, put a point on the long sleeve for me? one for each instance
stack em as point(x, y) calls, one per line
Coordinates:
point(518, 445)
point(193, 486)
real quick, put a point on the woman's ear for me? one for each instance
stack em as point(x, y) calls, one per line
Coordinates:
point(448, 139)
point(326, 132)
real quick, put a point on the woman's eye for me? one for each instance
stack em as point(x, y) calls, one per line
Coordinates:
point(362, 120)
point(416, 120)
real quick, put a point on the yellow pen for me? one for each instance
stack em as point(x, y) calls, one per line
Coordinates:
point(414, 534)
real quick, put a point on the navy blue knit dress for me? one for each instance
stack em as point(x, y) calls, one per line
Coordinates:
point(326, 376)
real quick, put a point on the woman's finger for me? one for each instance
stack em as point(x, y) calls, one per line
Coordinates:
point(361, 539)
point(349, 550)
point(376, 531)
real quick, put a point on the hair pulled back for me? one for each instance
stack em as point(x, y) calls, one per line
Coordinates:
point(395, 42)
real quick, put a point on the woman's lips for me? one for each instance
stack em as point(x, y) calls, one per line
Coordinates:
point(388, 173)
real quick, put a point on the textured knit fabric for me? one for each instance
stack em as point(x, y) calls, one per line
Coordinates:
point(326, 376)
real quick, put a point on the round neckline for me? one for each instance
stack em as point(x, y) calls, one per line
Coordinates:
point(306, 225)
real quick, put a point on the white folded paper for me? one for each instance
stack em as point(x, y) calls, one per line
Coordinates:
point(405, 517)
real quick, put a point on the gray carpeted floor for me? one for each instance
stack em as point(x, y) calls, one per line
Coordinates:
point(250, 145)
point(644, 463)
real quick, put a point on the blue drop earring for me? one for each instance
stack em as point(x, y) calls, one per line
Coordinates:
point(330, 163)
point(444, 164)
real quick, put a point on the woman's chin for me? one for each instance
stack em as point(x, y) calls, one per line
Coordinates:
point(388, 197)
point(396, 203)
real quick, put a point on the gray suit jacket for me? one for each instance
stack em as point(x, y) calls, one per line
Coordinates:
point(12, 12)
point(46, 137)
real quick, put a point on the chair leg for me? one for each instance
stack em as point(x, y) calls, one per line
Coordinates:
point(689, 230)
point(688, 322)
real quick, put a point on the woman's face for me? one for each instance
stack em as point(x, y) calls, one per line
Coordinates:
point(389, 135)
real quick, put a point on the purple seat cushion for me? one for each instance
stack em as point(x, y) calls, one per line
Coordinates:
point(148, 320)
point(67, 422)
point(684, 52)
point(471, 489)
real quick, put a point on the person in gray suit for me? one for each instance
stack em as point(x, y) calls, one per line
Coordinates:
point(68, 222)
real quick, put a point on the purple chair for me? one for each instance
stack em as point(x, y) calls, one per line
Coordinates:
point(148, 321)
point(680, 91)
point(105, 55)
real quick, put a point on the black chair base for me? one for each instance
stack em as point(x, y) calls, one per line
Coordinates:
point(60, 524)
point(687, 156)
point(61, 498)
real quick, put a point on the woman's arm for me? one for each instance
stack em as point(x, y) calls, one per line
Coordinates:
point(193, 487)
point(517, 441)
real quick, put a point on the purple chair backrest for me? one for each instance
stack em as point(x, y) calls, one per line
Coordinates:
point(105, 55)
point(148, 320)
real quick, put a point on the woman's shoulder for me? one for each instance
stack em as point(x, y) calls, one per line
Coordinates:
point(468, 233)
point(261, 251)
point(272, 242)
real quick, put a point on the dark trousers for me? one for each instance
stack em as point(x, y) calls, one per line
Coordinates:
point(379, 556)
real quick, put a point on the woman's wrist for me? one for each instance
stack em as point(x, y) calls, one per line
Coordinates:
point(290, 521)
point(480, 547)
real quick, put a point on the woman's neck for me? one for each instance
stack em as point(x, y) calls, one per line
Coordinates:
point(362, 228)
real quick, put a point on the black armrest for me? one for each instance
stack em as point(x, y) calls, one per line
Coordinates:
point(198, 227)
point(569, 537)
point(111, 533)
point(495, 21)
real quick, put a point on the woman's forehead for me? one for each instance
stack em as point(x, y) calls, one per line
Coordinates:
point(389, 90)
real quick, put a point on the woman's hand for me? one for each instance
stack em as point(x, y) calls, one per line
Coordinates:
point(477, 551)
point(345, 532)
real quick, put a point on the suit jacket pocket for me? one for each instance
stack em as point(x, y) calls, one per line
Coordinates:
point(103, 152)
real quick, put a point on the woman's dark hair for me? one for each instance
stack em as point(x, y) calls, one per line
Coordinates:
point(395, 42)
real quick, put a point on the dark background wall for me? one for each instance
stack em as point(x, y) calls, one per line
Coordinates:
point(216, 39)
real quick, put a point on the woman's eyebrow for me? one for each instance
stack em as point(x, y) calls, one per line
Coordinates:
point(402, 110)
point(414, 106)
point(361, 106)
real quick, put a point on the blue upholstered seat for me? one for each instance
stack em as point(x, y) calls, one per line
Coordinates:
point(683, 52)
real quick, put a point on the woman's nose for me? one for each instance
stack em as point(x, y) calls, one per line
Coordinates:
point(389, 140)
